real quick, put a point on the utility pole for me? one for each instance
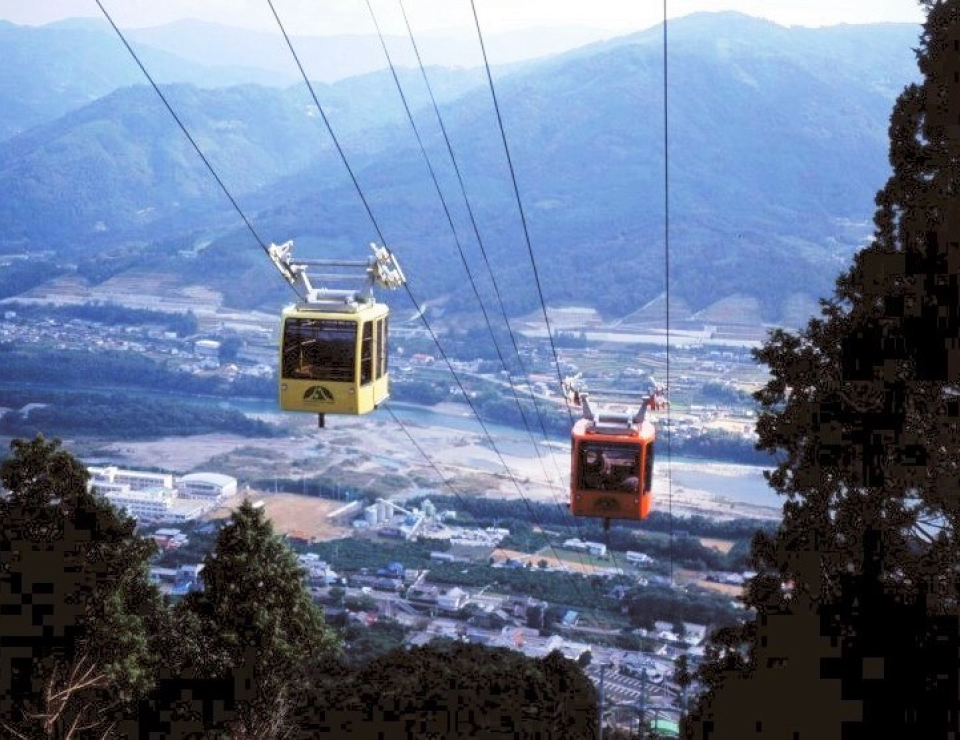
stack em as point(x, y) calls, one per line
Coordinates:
point(603, 667)
point(643, 701)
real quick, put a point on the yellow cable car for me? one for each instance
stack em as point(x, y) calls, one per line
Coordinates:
point(334, 343)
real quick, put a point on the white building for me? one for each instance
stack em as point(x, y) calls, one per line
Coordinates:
point(694, 633)
point(184, 510)
point(148, 504)
point(189, 572)
point(207, 348)
point(207, 486)
point(143, 481)
point(594, 548)
point(317, 570)
point(152, 496)
point(136, 480)
point(371, 515)
point(106, 487)
point(453, 600)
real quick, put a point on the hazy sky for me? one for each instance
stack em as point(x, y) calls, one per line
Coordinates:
point(321, 17)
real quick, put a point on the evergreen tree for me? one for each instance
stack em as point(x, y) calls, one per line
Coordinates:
point(78, 616)
point(459, 690)
point(863, 407)
point(255, 622)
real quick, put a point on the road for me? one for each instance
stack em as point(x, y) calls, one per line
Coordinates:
point(619, 689)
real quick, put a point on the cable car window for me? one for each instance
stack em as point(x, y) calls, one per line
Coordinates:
point(366, 354)
point(319, 349)
point(608, 467)
point(648, 471)
point(384, 355)
point(381, 348)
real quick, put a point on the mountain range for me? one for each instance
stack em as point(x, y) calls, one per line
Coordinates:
point(776, 142)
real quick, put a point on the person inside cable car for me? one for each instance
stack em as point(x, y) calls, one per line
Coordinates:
point(592, 469)
point(631, 483)
point(618, 466)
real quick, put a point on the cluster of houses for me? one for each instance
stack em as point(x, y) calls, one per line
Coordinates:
point(178, 581)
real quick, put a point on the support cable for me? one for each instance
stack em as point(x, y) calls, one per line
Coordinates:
point(666, 268)
point(463, 258)
point(476, 229)
point(516, 191)
point(526, 233)
point(453, 229)
point(409, 292)
point(326, 123)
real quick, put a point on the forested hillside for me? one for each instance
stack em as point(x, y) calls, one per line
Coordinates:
point(776, 136)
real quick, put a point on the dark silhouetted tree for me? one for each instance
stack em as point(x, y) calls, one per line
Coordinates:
point(77, 611)
point(460, 690)
point(230, 347)
point(255, 623)
point(863, 409)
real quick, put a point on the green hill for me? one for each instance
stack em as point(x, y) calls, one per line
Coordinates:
point(777, 143)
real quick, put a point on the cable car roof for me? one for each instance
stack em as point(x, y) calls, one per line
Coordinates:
point(380, 269)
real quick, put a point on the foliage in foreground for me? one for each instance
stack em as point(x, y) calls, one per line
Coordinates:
point(89, 648)
point(856, 597)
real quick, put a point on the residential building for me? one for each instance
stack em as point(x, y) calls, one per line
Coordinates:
point(453, 600)
point(163, 575)
point(318, 571)
point(190, 571)
point(207, 348)
point(570, 619)
point(169, 539)
point(695, 634)
point(597, 549)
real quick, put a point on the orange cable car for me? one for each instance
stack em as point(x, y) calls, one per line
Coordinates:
point(611, 463)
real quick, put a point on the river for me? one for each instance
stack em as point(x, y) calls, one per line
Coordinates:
point(725, 482)
point(733, 483)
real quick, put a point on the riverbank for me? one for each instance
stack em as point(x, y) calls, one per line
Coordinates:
point(451, 453)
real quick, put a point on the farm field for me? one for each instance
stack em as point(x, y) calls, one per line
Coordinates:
point(292, 514)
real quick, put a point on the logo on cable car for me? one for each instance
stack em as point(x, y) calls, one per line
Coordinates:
point(606, 503)
point(318, 393)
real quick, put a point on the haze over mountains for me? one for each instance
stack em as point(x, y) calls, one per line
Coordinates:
point(777, 145)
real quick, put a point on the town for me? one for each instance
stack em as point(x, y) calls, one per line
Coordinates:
point(195, 345)
point(414, 592)
point(398, 565)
